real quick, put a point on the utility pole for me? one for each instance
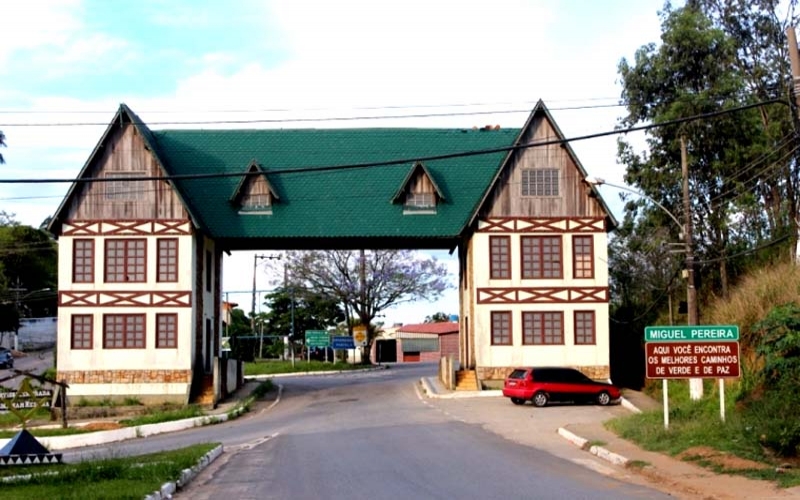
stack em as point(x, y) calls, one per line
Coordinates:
point(18, 289)
point(695, 384)
point(253, 309)
point(794, 61)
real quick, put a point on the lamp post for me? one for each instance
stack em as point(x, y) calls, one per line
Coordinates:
point(695, 384)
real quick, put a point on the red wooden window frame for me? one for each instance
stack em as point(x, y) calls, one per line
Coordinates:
point(167, 260)
point(123, 263)
point(585, 328)
point(124, 331)
point(502, 328)
point(541, 257)
point(166, 331)
point(500, 257)
point(583, 257)
point(83, 260)
point(543, 328)
point(81, 331)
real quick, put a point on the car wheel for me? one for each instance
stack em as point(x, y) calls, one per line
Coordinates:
point(518, 401)
point(539, 399)
point(603, 398)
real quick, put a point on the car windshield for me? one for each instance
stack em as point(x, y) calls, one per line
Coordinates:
point(518, 374)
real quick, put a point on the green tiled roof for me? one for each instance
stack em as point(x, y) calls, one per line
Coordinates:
point(336, 203)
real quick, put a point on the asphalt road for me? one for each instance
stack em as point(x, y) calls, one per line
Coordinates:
point(371, 435)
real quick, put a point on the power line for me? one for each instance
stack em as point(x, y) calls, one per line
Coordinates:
point(306, 120)
point(445, 156)
point(328, 108)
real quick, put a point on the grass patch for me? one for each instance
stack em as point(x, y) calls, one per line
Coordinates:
point(157, 416)
point(263, 388)
point(114, 478)
point(696, 433)
point(275, 366)
point(596, 443)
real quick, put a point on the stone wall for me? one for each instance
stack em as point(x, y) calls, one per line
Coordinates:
point(598, 372)
point(126, 376)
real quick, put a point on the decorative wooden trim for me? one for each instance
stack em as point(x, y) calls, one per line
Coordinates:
point(542, 295)
point(127, 227)
point(542, 225)
point(112, 298)
point(126, 376)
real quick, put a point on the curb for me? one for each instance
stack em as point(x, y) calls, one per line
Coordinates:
point(431, 392)
point(187, 475)
point(598, 451)
point(328, 372)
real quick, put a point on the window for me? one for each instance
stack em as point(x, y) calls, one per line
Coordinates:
point(539, 182)
point(584, 327)
point(167, 259)
point(582, 257)
point(256, 202)
point(83, 261)
point(209, 270)
point(125, 261)
point(166, 331)
point(123, 331)
point(501, 328)
point(124, 189)
point(81, 331)
point(541, 257)
point(420, 202)
point(499, 257)
point(542, 328)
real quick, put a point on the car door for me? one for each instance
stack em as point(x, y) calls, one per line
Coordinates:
point(581, 387)
point(557, 386)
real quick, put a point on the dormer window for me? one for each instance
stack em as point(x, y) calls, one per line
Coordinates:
point(418, 192)
point(256, 202)
point(254, 194)
point(420, 202)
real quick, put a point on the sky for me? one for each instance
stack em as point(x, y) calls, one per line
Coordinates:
point(66, 65)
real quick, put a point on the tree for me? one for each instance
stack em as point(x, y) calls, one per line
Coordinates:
point(298, 311)
point(694, 71)
point(2, 144)
point(367, 282)
point(439, 317)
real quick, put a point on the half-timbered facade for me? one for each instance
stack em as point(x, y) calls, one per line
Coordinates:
point(142, 230)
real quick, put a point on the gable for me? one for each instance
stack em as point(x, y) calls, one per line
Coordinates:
point(124, 157)
point(123, 154)
point(543, 181)
point(419, 192)
point(254, 194)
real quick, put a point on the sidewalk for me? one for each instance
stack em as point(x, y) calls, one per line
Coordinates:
point(673, 475)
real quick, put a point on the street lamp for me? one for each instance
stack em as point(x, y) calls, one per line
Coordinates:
point(695, 384)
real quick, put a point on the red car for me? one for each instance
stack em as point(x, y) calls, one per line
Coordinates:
point(545, 384)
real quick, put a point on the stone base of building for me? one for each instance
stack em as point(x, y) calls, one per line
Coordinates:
point(595, 372)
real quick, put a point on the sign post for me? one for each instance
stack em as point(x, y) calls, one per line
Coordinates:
point(316, 338)
point(695, 351)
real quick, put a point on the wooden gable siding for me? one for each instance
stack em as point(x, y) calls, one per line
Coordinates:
point(420, 183)
point(257, 186)
point(573, 198)
point(124, 151)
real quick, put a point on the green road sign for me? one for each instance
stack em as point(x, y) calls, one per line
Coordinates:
point(317, 338)
point(694, 333)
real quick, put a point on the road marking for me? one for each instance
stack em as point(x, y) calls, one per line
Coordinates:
point(252, 444)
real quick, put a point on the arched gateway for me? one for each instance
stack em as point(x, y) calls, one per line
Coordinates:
point(140, 258)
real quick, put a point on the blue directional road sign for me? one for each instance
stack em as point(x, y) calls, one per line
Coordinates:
point(342, 342)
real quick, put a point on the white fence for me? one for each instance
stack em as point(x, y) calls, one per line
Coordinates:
point(34, 334)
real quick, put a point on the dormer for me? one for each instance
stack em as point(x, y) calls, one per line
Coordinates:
point(254, 194)
point(418, 193)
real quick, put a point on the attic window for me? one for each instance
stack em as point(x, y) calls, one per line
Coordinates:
point(539, 182)
point(124, 189)
point(420, 203)
point(256, 203)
